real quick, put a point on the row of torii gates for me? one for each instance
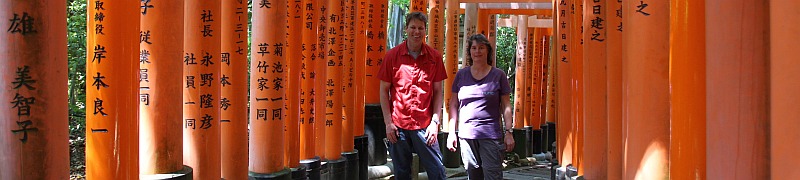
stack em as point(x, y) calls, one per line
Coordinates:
point(689, 89)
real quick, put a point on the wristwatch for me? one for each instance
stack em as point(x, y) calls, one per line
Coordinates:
point(510, 130)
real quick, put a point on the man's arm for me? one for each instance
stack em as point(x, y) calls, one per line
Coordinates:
point(438, 97)
point(391, 129)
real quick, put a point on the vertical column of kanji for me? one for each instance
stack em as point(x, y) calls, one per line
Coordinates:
point(346, 81)
point(320, 78)
point(309, 47)
point(519, 81)
point(784, 99)
point(201, 93)
point(614, 84)
point(534, 81)
point(482, 23)
point(450, 58)
point(645, 68)
point(233, 99)
point(492, 35)
point(112, 147)
point(112, 137)
point(376, 42)
point(294, 62)
point(577, 82)
point(34, 120)
point(564, 131)
point(547, 80)
point(784, 86)
point(160, 111)
point(436, 25)
point(687, 151)
point(594, 74)
point(360, 64)
point(418, 6)
point(333, 90)
point(526, 83)
point(737, 86)
point(470, 25)
point(267, 90)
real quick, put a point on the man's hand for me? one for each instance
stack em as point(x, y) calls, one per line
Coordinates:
point(431, 133)
point(509, 140)
point(452, 142)
point(392, 133)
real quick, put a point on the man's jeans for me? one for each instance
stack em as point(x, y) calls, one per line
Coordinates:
point(413, 141)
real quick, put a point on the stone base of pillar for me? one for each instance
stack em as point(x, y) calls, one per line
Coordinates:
point(551, 136)
point(520, 140)
point(449, 159)
point(312, 167)
point(183, 174)
point(284, 174)
point(537, 141)
point(361, 145)
point(299, 173)
point(351, 171)
point(528, 142)
point(336, 169)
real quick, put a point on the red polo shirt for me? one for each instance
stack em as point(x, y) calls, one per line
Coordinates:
point(412, 81)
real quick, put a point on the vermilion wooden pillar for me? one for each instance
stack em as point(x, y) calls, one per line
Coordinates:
point(309, 59)
point(527, 83)
point(233, 81)
point(646, 89)
point(614, 84)
point(360, 61)
point(784, 100)
point(482, 22)
point(577, 82)
point(470, 28)
point(201, 92)
point(34, 74)
point(160, 102)
point(267, 90)
point(294, 62)
point(519, 82)
point(737, 89)
point(544, 88)
point(333, 90)
point(550, 75)
point(687, 158)
point(112, 133)
point(418, 6)
point(564, 133)
point(320, 78)
point(376, 47)
point(492, 36)
point(346, 80)
point(536, 76)
point(450, 57)
point(594, 73)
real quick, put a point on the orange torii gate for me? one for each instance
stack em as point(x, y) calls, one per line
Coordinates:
point(34, 118)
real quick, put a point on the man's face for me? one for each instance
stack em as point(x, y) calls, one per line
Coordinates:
point(415, 30)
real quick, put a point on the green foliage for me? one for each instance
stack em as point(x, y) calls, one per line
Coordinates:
point(506, 52)
point(76, 57)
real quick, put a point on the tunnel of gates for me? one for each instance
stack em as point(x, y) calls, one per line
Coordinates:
point(687, 89)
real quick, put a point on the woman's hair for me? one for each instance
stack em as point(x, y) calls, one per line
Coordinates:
point(480, 39)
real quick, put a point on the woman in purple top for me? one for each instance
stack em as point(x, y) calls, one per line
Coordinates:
point(483, 97)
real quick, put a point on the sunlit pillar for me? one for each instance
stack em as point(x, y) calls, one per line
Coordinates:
point(737, 86)
point(577, 83)
point(267, 90)
point(784, 100)
point(482, 23)
point(527, 83)
point(436, 24)
point(594, 74)
point(519, 82)
point(360, 64)
point(646, 89)
point(160, 80)
point(294, 62)
point(376, 47)
point(34, 76)
point(564, 135)
point(450, 57)
point(201, 92)
point(333, 92)
point(492, 36)
point(535, 35)
point(307, 110)
point(112, 44)
point(418, 6)
point(470, 28)
point(233, 102)
point(613, 24)
point(545, 74)
point(548, 109)
point(687, 63)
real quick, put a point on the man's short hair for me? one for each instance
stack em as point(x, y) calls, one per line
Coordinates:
point(418, 16)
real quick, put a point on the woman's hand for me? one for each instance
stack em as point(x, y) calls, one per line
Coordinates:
point(452, 142)
point(509, 140)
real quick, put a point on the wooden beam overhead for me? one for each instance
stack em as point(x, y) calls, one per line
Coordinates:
point(547, 5)
point(505, 1)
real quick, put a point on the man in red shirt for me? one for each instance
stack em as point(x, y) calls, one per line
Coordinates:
point(411, 79)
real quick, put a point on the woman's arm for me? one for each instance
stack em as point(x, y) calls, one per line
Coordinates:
point(508, 121)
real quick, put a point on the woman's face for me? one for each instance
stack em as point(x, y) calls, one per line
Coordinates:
point(478, 52)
